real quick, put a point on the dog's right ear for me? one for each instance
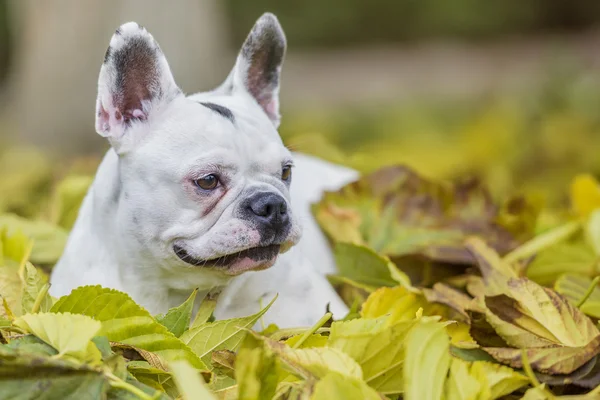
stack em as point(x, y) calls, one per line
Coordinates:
point(135, 81)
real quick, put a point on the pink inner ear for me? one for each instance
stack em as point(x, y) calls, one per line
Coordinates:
point(103, 120)
point(111, 121)
point(270, 107)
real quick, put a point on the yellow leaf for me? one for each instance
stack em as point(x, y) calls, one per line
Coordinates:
point(585, 195)
point(397, 303)
point(189, 381)
point(461, 385)
point(335, 386)
point(377, 348)
point(427, 348)
point(256, 374)
point(70, 334)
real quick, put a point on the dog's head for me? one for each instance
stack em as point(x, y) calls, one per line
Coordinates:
point(204, 179)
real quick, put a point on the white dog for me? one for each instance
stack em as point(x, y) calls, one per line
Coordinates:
point(195, 191)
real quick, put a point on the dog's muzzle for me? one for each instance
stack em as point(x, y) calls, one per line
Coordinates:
point(268, 212)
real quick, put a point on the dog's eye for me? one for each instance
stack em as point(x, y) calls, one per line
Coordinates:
point(286, 173)
point(208, 182)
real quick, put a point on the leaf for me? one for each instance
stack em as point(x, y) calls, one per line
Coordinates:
point(314, 362)
point(378, 349)
point(592, 230)
point(574, 287)
point(220, 335)
point(68, 196)
point(396, 212)
point(334, 386)
point(32, 345)
point(427, 361)
point(398, 303)
point(10, 289)
point(557, 336)
point(48, 240)
point(543, 241)
point(189, 381)
point(553, 360)
point(206, 309)
point(14, 244)
point(361, 264)
point(585, 194)
point(26, 376)
point(587, 376)
point(461, 385)
point(256, 375)
point(177, 319)
point(500, 380)
point(34, 286)
point(569, 257)
point(444, 294)
point(126, 322)
point(311, 341)
point(70, 334)
point(133, 353)
point(224, 362)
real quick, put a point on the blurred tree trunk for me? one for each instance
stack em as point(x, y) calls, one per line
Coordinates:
point(59, 47)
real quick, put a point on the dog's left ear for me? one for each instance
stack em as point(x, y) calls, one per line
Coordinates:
point(135, 82)
point(258, 67)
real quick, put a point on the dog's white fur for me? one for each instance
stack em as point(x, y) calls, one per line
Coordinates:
point(142, 201)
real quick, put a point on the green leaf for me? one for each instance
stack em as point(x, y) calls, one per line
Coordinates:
point(206, 309)
point(574, 288)
point(397, 212)
point(10, 288)
point(25, 376)
point(377, 348)
point(48, 240)
point(461, 385)
point(70, 334)
point(362, 264)
point(177, 320)
point(14, 244)
point(68, 196)
point(316, 362)
point(32, 345)
point(575, 257)
point(35, 290)
point(126, 322)
point(335, 386)
point(427, 361)
point(220, 335)
point(256, 374)
point(189, 382)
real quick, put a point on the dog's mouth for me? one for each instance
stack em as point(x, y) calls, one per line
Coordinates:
point(255, 258)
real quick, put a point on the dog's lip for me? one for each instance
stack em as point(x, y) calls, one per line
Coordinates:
point(262, 256)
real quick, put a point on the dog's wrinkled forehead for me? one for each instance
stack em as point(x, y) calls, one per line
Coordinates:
point(138, 97)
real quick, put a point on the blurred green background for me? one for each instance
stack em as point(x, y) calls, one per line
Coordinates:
point(505, 91)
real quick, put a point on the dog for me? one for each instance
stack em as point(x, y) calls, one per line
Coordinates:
point(196, 191)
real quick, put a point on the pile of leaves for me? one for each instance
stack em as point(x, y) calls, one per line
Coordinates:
point(452, 295)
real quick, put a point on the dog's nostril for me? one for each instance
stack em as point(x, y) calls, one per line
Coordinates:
point(269, 206)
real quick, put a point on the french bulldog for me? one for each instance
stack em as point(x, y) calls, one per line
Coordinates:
point(195, 191)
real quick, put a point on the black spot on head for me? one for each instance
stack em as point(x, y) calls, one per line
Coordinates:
point(118, 32)
point(223, 111)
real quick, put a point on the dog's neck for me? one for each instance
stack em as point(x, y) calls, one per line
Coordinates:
point(103, 252)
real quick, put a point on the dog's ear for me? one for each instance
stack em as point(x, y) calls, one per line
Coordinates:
point(258, 66)
point(135, 80)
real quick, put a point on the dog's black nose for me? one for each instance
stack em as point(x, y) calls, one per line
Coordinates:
point(269, 209)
